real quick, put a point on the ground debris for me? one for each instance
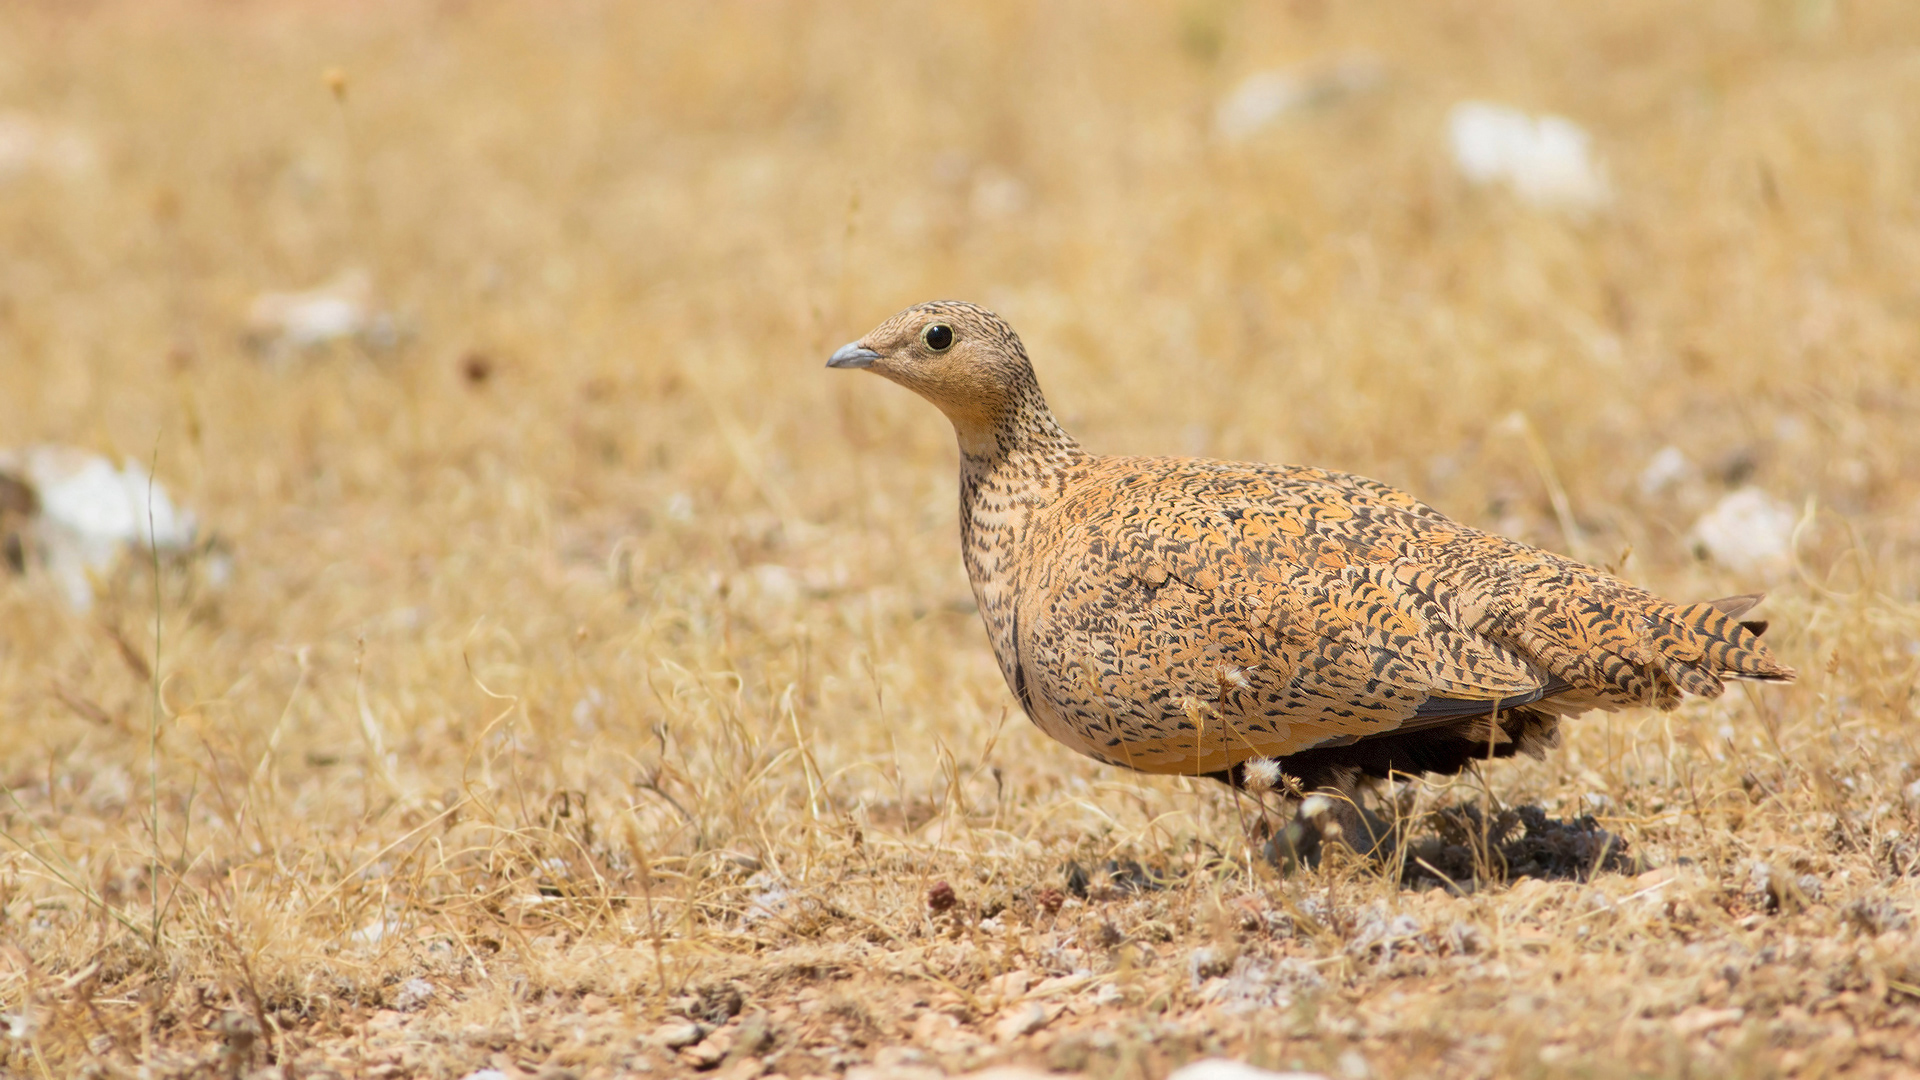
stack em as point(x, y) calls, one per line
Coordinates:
point(1468, 848)
point(715, 1003)
point(1115, 877)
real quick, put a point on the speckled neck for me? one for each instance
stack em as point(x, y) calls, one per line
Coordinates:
point(1008, 472)
point(1024, 432)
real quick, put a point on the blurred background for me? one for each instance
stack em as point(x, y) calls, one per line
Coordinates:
point(478, 351)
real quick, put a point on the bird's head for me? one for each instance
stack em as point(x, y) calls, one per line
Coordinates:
point(963, 358)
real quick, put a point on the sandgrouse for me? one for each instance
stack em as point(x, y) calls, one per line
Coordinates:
point(1185, 615)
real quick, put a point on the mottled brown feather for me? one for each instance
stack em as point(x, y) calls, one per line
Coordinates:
point(1182, 615)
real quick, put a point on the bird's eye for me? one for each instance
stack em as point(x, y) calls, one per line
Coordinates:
point(939, 337)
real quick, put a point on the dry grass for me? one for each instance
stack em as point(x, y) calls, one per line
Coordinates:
point(546, 708)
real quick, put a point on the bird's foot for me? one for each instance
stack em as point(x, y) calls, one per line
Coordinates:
point(1331, 819)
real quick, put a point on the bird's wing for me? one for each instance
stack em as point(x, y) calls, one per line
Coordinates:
point(1299, 616)
point(1329, 606)
point(1603, 642)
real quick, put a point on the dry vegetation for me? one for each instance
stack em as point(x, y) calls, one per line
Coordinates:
point(592, 660)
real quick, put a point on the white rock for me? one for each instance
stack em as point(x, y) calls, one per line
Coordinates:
point(1260, 98)
point(680, 1034)
point(769, 899)
point(943, 1035)
point(587, 709)
point(86, 514)
point(1466, 939)
point(1206, 963)
point(1376, 931)
point(1666, 470)
point(1021, 1020)
point(29, 144)
point(1222, 1069)
point(414, 994)
point(485, 1074)
point(897, 1063)
point(1700, 1018)
point(1546, 160)
point(997, 195)
point(1011, 986)
point(1255, 984)
point(1265, 96)
point(341, 309)
point(775, 584)
point(85, 493)
point(374, 933)
point(18, 1026)
point(1353, 1066)
point(895, 1057)
point(1747, 530)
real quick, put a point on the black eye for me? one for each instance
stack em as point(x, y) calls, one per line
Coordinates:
point(939, 337)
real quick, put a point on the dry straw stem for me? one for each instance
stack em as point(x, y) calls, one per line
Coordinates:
point(543, 710)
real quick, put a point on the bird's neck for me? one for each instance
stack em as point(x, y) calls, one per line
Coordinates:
point(1009, 471)
point(1018, 430)
point(1020, 452)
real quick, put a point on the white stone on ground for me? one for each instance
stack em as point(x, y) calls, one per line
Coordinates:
point(1545, 160)
point(1223, 1069)
point(1748, 531)
point(88, 513)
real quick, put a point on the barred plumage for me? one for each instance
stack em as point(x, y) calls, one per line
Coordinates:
point(1180, 615)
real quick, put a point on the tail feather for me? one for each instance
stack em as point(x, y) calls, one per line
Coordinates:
point(1614, 645)
point(1736, 606)
point(1702, 644)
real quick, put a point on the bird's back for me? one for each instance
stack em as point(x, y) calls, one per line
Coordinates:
point(1183, 615)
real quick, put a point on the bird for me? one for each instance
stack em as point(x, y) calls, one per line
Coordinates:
point(1270, 625)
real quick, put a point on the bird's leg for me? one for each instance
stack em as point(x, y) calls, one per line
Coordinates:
point(1336, 812)
point(1351, 822)
point(1296, 844)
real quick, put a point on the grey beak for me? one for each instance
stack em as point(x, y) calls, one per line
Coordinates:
point(853, 354)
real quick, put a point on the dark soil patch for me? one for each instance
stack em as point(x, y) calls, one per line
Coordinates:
point(1468, 849)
